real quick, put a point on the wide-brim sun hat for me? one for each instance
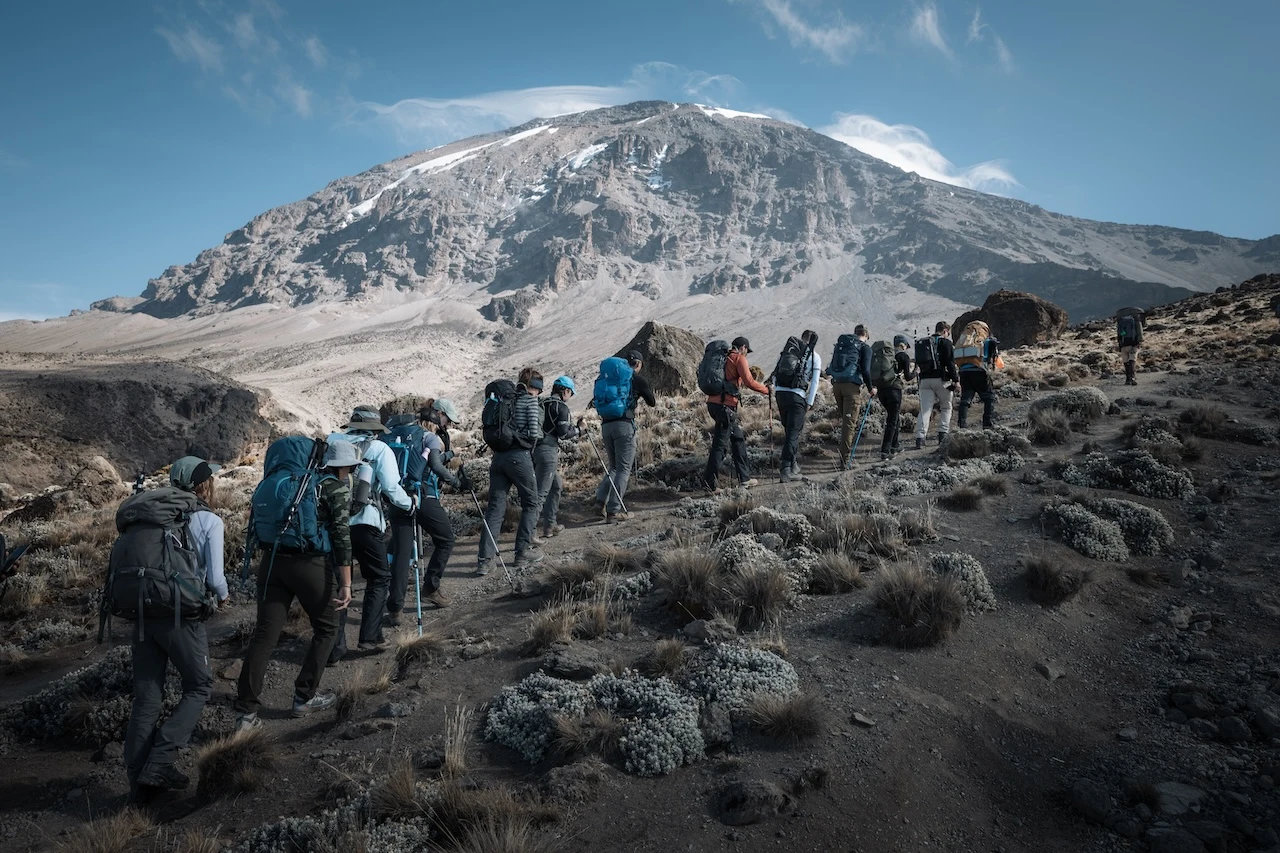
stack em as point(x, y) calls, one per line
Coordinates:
point(190, 471)
point(341, 454)
point(365, 419)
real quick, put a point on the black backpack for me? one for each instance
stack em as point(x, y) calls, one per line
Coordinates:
point(846, 359)
point(498, 418)
point(927, 355)
point(153, 571)
point(711, 370)
point(790, 371)
point(1129, 330)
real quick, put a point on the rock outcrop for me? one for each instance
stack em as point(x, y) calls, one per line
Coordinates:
point(1017, 319)
point(671, 357)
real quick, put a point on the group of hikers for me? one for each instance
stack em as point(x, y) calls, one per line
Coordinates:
point(370, 492)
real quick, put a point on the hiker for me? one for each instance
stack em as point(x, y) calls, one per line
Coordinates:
point(1129, 339)
point(557, 426)
point(890, 372)
point(850, 372)
point(977, 355)
point(615, 397)
point(369, 527)
point(722, 405)
point(795, 387)
point(512, 428)
point(319, 578)
point(936, 364)
point(177, 637)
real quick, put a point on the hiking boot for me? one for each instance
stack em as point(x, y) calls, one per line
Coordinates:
point(484, 567)
point(392, 619)
point(784, 477)
point(378, 646)
point(553, 530)
point(615, 517)
point(244, 722)
point(528, 557)
point(749, 483)
point(318, 702)
point(166, 777)
point(919, 442)
point(942, 438)
point(438, 598)
point(884, 457)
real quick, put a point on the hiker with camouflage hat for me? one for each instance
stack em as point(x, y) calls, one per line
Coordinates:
point(369, 537)
point(557, 425)
point(150, 752)
point(321, 583)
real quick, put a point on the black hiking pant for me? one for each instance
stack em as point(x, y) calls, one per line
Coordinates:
point(976, 383)
point(369, 549)
point(435, 523)
point(791, 411)
point(890, 396)
point(509, 468)
point(727, 432)
point(186, 646)
point(312, 580)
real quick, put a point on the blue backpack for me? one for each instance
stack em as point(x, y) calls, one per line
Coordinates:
point(285, 503)
point(612, 392)
point(405, 441)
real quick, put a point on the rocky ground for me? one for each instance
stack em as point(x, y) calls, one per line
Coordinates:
point(1127, 699)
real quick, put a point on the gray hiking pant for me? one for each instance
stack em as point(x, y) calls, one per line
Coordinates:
point(931, 390)
point(619, 439)
point(510, 468)
point(546, 467)
point(186, 646)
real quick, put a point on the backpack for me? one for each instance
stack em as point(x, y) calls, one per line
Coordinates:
point(846, 360)
point(712, 380)
point(1129, 330)
point(790, 370)
point(153, 571)
point(498, 418)
point(971, 350)
point(286, 503)
point(612, 391)
point(927, 361)
point(884, 364)
point(405, 441)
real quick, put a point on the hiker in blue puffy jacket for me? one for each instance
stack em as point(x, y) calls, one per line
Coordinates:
point(619, 437)
point(514, 467)
point(368, 529)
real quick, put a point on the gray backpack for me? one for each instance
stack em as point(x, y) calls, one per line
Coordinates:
point(153, 572)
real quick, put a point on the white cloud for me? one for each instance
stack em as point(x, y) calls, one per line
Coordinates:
point(193, 46)
point(926, 30)
point(431, 121)
point(975, 26)
point(978, 31)
point(294, 94)
point(1003, 54)
point(835, 39)
point(909, 149)
point(316, 51)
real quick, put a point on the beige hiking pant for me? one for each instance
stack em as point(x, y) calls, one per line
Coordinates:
point(932, 390)
point(1129, 354)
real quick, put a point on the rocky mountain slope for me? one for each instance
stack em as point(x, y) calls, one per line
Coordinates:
point(666, 201)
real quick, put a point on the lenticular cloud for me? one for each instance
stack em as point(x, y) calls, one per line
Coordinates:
point(908, 148)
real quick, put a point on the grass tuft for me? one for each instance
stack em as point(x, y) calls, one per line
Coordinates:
point(457, 741)
point(1049, 427)
point(236, 764)
point(667, 658)
point(552, 624)
point(923, 608)
point(612, 559)
point(113, 834)
point(1051, 582)
point(412, 649)
point(836, 573)
point(1204, 420)
point(759, 596)
point(692, 579)
point(568, 578)
point(396, 796)
point(596, 733)
point(966, 444)
point(732, 508)
point(963, 498)
point(992, 484)
point(793, 718)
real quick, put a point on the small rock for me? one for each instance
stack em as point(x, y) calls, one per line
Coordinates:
point(1267, 836)
point(475, 650)
point(1234, 730)
point(716, 724)
point(1204, 728)
point(75, 794)
point(1202, 656)
point(1171, 840)
point(1143, 811)
point(862, 719)
point(1268, 721)
point(1211, 560)
point(1128, 827)
point(1049, 671)
point(574, 662)
point(1177, 798)
point(951, 537)
point(109, 752)
point(527, 588)
point(1179, 617)
point(1173, 715)
point(231, 672)
point(394, 709)
point(1238, 822)
point(1265, 783)
point(1127, 735)
point(575, 783)
point(703, 631)
point(431, 758)
point(750, 801)
point(1210, 832)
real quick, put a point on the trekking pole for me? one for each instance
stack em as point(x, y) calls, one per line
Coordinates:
point(854, 450)
point(608, 475)
point(417, 572)
point(492, 539)
point(773, 463)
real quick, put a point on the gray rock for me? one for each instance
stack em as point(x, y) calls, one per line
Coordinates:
point(1206, 729)
point(1092, 800)
point(1238, 822)
point(706, 630)
point(231, 672)
point(1177, 798)
point(1234, 730)
point(395, 709)
point(1268, 721)
point(1173, 840)
point(574, 661)
point(1128, 827)
point(1194, 704)
point(1049, 671)
point(475, 650)
point(1127, 735)
point(716, 724)
point(527, 588)
point(579, 782)
point(1210, 832)
point(110, 752)
point(748, 801)
point(862, 720)
point(1179, 617)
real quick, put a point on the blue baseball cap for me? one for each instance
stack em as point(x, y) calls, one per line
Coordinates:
point(566, 383)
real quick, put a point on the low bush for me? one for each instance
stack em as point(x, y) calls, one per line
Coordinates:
point(924, 609)
point(1053, 583)
point(236, 764)
point(963, 498)
point(1049, 427)
point(788, 718)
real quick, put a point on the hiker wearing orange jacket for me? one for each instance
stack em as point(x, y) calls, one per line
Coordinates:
point(723, 409)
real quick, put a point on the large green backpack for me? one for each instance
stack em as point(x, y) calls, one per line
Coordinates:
point(884, 366)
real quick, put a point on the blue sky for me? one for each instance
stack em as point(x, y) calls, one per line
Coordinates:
point(133, 135)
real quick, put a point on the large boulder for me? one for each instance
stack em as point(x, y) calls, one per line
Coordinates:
point(671, 357)
point(1017, 319)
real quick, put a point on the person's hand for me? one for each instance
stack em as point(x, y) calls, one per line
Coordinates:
point(873, 392)
point(343, 599)
point(225, 602)
point(581, 423)
point(464, 479)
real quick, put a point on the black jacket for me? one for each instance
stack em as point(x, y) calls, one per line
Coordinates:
point(557, 422)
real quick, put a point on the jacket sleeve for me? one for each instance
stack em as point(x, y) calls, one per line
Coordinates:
point(528, 418)
point(743, 368)
point(642, 389)
point(815, 373)
point(388, 477)
point(336, 495)
point(562, 421)
point(903, 363)
point(864, 363)
point(435, 461)
point(947, 356)
point(211, 554)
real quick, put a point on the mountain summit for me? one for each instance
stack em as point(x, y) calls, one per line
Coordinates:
point(668, 202)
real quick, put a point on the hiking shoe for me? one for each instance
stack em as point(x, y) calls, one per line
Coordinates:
point(749, 483)
point(379, 646)
point(392, 619)
point(318, 702)
point(438, 598)
point(942, 438)
point(785, 477)
point(535, 539)
point(244, 722)
point(166, 777)
point(919, 442)
point(528, 557)
point(618, 516)
point(885, 457)
point(553, 530)
point(484, 568)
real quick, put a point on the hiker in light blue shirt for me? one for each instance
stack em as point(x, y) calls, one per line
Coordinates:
point(795, 391)
point(369, 538)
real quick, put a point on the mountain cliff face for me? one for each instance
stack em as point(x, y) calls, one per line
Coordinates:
point(671, 203)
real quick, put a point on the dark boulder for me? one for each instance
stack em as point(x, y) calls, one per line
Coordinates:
point(671, 357)
point(1017, 319)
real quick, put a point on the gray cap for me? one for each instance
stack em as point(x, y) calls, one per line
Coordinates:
point(341, 454)
point(450, 410)
point(190, 471)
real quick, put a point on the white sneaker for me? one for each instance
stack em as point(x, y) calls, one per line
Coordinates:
point(244, 722)
point(318, 702)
